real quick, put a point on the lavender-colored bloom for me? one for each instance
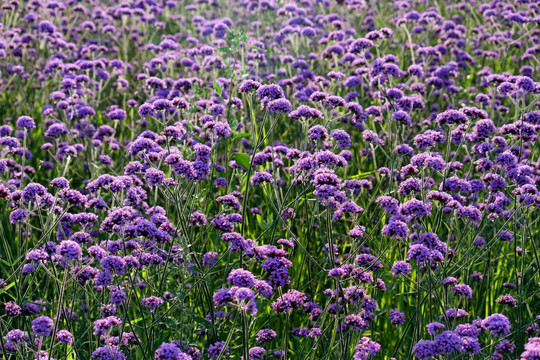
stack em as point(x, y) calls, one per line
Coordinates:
point(265, 335)
point(108, 353)
point(292, 299)
point(42, 326)
point(18, 216)
point(317, 133)
point(434, 327)
point(12, 309)
point(168, 351)
point(402, 117)
point(279, 106)
point(396, 229)
point(249, 85)
point(532, 349)
point(261, 177)
point(497, 324)
point(365, 348)
point(396, 317)
point(256, 352)
point(65, 337)
point(117, 114)
point(26, 122)
point(217, 349)
point(463, 290)
point(241, 278)
point(342, 139)
point(70, 250)
point(507, 300)
point(401, 267)
point(305, 112)
point(425, 349)
point(360, 45)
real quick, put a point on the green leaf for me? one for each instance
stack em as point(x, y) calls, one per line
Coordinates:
point(361, 175)
point(207, 324)
point(242, 159)
point(242, 135)
point(198, 138)
point(218, 89)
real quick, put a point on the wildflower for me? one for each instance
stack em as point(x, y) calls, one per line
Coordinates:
point(42, 326)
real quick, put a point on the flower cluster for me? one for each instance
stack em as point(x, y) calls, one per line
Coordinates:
point(231, 179)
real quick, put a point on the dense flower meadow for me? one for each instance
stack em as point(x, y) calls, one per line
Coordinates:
point(259, 179)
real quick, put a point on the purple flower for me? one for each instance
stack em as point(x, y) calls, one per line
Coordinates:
point(249, 85)
point(241, 277)
point(365, 348)
point(64, 337)
point(42, 326)
point(26, 122)
point(18, 216)
point(217, 349)
point(168, 351)
point(342, 139)
point(12, 309)
point(396, 317)
point(256, 352)
point(117, 114)
point(152, 302)
point(305, 112)
point(507, 300)
point(425, 349)
point(396, 229)
point(401, 267)
point(108, 353)
point(463, 290)
point(279, 106)
point(497, 324)
point(70, 250)
point(434, 327)
point(402, 117)
point(532, 349)
point(261, 177)
point(447, 342)
point(265, 335)
point(292, 299)
point(360, 45)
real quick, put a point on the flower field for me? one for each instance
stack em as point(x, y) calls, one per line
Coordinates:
point(262, 179)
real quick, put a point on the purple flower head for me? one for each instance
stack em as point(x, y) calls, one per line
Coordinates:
point(401, 268)
point(463, 290)
point(12, 309)
point(265, 335)
point(396, 317)
point(305, 112)
point(168, 351)
point(256, 352)
point(42, 326)
point(497, 324)
point(341, 138)
point(108, 353)
point(447, 342)
point(65, 337)
point(217, 349)
point(26, 122)
point(241, 278)
point(292, 299)
point(278, 106)
point(261, 177)
point(152, 302)
point(360, 45)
